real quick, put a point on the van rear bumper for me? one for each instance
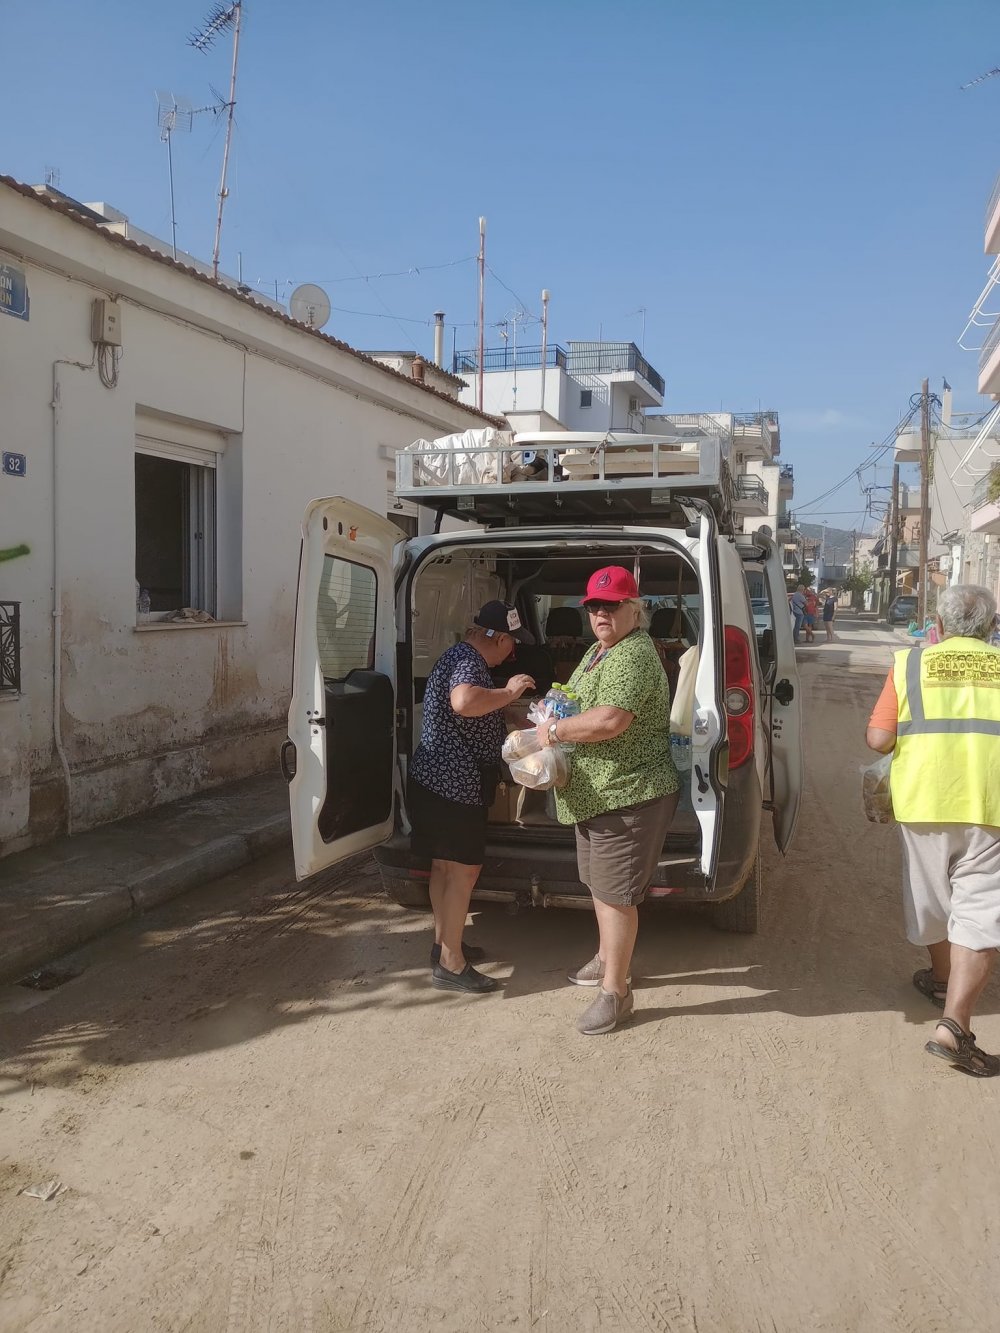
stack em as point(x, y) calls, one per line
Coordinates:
point(543, 872)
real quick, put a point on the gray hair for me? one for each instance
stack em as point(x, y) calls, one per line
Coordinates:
point(967, 611)
point(642, 616)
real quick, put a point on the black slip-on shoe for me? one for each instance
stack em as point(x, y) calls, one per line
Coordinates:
point(472, 953)
point(475, 983)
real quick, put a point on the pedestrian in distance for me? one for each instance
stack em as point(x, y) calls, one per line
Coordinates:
point(809, 611)
point(623, 787)
point(797, 606)
point(939, 716)
point(829, 612)
point(453, 781)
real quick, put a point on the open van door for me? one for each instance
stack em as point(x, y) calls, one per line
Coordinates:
point(341, 721)
point(780, 675)
point(709, 747)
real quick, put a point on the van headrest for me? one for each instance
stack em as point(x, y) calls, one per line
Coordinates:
point(564, 622)
point(662, 624)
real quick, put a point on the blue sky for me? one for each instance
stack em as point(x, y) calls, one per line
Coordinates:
point(793, 191)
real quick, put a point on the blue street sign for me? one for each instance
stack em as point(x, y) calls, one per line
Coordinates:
point(14, 465)
point(13, 291)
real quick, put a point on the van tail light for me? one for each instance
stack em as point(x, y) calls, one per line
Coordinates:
point(739, 696)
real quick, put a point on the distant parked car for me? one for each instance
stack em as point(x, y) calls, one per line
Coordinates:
point(901, 610)
point(762, 619)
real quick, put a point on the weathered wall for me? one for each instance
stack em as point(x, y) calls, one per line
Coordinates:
point(150, 713)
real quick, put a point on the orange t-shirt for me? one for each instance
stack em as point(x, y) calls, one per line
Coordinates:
point(885, 714)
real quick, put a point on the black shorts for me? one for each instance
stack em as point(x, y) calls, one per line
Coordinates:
point(446, 830)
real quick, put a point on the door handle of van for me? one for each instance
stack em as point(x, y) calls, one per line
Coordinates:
point(287, 769)
point(784, 691)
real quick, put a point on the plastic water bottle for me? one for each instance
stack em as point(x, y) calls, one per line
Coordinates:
point(680, 750)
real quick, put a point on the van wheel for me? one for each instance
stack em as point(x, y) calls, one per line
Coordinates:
point(741, 914)
point(411, 893)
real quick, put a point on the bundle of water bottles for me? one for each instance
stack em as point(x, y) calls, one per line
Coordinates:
point(532, 764)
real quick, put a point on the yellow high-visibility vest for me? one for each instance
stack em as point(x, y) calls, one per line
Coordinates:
point(946, 764)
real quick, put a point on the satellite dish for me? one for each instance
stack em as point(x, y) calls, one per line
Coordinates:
point(310, 305)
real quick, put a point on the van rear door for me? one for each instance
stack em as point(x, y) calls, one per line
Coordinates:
point(709, 746)
point(783, 705)
point(341, 721)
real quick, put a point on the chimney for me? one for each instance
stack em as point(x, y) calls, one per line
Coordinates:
point(417, 368)
point(439, 338)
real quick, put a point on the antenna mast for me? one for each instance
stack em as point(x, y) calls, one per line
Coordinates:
point(222, 17)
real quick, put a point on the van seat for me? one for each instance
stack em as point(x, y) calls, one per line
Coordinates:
point(564, 622)
point(670, 651)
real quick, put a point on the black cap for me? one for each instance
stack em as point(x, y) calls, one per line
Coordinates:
point(503, 619)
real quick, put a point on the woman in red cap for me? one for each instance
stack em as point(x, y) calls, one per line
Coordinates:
point(623, 788)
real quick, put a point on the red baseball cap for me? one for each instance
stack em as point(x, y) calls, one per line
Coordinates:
point(611, 584)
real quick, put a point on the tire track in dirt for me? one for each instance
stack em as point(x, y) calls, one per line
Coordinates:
point(857, 1188)
point(427, 1186)
point(589, 1218)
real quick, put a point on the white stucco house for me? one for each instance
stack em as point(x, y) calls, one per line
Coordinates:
point(161, 436)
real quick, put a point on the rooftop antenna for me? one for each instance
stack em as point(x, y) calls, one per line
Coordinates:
point(174, 113)
point(221, 19)
point(52, 177)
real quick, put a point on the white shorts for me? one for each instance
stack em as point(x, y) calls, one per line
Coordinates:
point(951, 884)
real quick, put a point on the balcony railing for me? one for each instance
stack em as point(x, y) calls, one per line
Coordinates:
point(750, 488)
point(990, 345)
point(981, 494)
point(787, 472)
point(507, 358)
point(610, 357)
point(602, 359)
point(993, 201)
point(10, 646)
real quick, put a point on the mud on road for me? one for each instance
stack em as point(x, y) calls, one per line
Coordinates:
point(266, 1119)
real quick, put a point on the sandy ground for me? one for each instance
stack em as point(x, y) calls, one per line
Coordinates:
point(265, 1118)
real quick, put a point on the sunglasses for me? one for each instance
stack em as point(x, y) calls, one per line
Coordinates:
point(594, 607)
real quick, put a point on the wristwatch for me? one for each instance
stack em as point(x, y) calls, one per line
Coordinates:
point(552, 732)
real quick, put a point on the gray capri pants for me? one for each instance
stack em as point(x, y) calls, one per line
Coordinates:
point(616, 853)
point(951, 884)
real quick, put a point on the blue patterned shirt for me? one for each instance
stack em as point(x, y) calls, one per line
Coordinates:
point(451, 748)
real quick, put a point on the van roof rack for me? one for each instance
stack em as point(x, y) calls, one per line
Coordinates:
point(500, 479)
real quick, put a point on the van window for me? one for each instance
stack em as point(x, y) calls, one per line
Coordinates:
point(345, 617)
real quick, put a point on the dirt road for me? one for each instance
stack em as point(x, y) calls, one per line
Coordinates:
point(266, 1119)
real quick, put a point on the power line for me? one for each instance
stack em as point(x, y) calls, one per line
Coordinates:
point(414, 271)
point(882, 449)
point(510, 290)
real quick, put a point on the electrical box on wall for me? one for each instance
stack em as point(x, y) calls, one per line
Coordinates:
point(106, 322)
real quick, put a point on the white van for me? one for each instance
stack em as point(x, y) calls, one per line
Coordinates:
point(376, 609)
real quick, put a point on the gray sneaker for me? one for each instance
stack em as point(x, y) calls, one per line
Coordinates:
point(605, 1013)
point(592, 973)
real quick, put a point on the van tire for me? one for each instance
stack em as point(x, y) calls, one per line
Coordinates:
point(410, 893)
point(741, 915)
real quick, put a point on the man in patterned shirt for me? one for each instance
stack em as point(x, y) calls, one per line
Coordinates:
point(453, 779)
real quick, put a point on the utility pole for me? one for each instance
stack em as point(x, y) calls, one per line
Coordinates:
point(925, 502)
point(482, 307)
point(893, 531)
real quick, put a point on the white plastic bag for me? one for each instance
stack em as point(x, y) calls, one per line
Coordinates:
point(875, 792)
point(543, 769)
point(519, 744)
point(682, 704)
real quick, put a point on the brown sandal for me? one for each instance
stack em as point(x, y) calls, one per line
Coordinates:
point(927, 985)
point(967, 1056)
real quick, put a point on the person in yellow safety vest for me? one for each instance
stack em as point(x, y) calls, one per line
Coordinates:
point(939, 716)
